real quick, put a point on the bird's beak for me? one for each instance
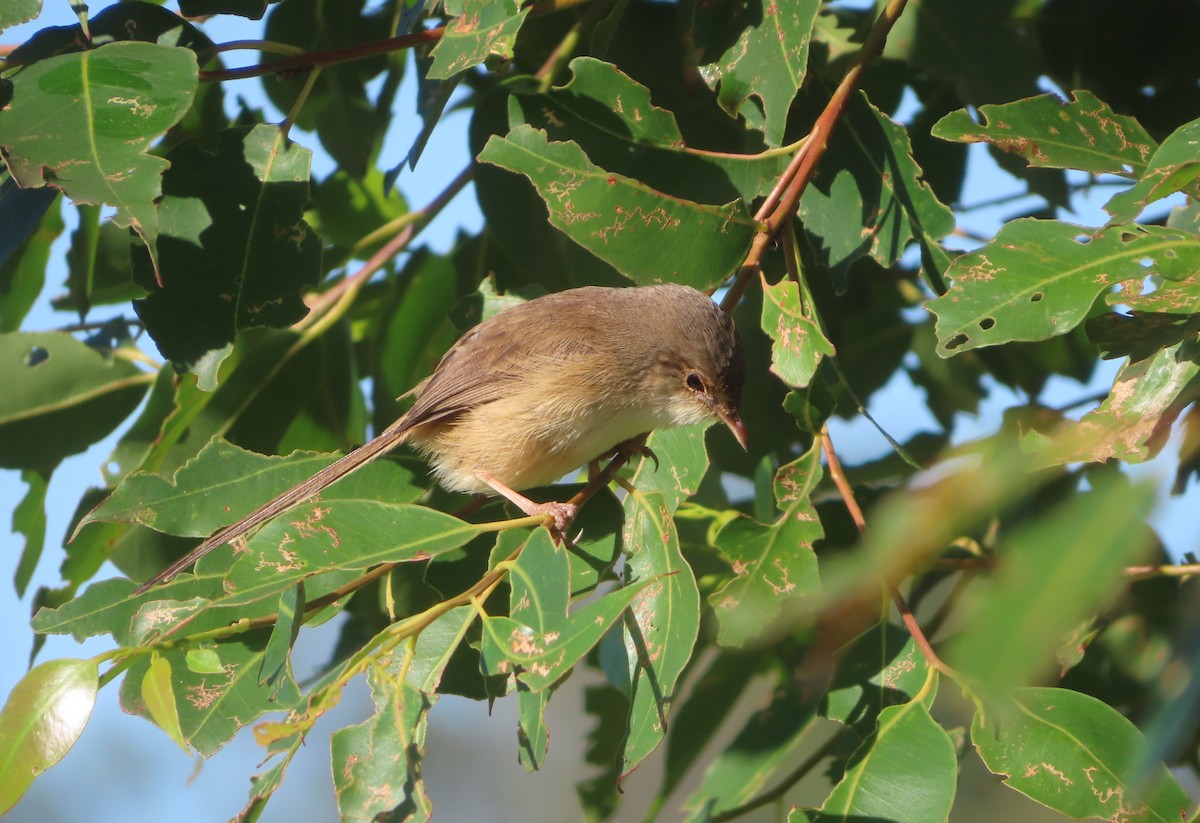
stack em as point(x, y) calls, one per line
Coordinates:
point(733, 420)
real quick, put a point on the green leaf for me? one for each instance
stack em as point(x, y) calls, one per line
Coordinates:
point(1174, 167)
point(212, 707)
point(1077, 755)
point(767, 741)
point(772, 564)
point(99, 264)
point(1038, 595)
point(43, 717)
point(646, 235)
point(658, 640)
point(335, 102)
point(768, 59)
point(1049, 132)
point(29, 519)
point(905, 772)
point(235, 250)
point(1135, 420)
point(1038, 279)
point(223, 483)
point(290, 616)
point(23, 272)
point(611, 116)
point(882, 667)
point(539, 659)
point(539, 593)
point(94, 114)
point(342, 534)
point(377, 764)
point(160, 700)
point(870, 198)
point(435, 645)
point(482, 29)
point(951, 42)
point(798, 346)
point(61, 397)
point(204, 661)
point(711, 699)
point(13, 12)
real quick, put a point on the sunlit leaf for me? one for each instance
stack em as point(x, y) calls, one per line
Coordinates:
point(42, 718)
point(1077, 755)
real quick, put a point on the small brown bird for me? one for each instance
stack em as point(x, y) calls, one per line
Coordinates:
point(543, 388)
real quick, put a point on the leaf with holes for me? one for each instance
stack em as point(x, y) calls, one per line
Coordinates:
point(1039, 278)
point(377, 763)
point(773, 564)
point(612, 118)
point(223, 482)
point(1174, 167)
point(83, 122)
point(1136, 418)
point(60, 396)
point(1077, 755)
point(1049, 132)
point(481, 29)
point(798, 346)
point(761, 50)
point(648, 236)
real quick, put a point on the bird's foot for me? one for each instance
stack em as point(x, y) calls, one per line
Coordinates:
point(562, 513)
point(635, 447)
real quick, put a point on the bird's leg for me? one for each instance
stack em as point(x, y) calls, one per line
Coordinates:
point(562, 513)
point(634, 447)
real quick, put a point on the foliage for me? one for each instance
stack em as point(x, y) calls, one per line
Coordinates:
point(718, 144)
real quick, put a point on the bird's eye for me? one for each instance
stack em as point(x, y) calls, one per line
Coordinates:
point(694, 382)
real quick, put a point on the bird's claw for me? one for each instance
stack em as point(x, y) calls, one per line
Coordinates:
point(562, 514)
point(636, 447)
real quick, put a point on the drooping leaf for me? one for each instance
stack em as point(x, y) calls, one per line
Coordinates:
point(377, 763)
point(60, 397)
point(32, 220)
point(1136, 418)
point(1039, 278)
point(160, 699)
point(107, 106)
point(29, 518)
point(289, 618)
point(1049, 132)
point(1077, 755)
point(42, 718)
point(657, 642)
point(620, 220)
point(870, 198)
point(539, 593)
point(760, 50)
point(773, 564)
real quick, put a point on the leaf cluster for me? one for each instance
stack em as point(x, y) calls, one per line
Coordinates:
point(240, 320)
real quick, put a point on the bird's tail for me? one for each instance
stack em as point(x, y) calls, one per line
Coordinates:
point(389, 437)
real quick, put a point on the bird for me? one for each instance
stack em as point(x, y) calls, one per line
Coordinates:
point(545, 387)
